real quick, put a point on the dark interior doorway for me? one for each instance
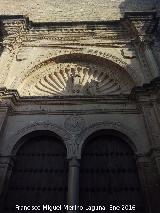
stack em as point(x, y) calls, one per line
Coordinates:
point(39, 175)
point(108, 174)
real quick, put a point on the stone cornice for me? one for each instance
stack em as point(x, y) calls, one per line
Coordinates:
point(11, 100)
point(147, 92)
point(13, 95)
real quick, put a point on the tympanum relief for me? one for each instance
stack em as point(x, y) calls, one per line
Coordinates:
point(76, 78)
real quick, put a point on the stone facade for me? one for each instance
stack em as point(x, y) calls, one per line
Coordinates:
point(75, 78)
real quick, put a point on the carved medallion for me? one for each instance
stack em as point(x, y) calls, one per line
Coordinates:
point(74, 123)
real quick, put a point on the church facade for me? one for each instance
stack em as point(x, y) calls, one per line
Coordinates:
point(80, 108)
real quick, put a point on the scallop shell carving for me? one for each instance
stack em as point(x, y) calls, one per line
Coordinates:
point(76, 79)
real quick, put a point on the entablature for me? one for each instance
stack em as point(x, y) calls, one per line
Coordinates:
point(20, 29)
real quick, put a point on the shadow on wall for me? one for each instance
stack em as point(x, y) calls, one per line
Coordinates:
point(137, 5)
point(151, 193)
point(143, 6)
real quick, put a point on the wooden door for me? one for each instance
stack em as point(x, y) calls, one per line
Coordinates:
point(108, 174)
point(39, 175)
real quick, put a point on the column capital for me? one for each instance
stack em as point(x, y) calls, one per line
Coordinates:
point(74, 162)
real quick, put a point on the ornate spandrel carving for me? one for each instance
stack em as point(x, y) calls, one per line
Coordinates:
point(74, 124)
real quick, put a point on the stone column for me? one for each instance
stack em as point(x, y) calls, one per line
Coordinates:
point(151, 61)
point(73, 183)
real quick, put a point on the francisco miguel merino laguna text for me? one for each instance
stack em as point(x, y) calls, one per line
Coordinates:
point(58, 208)
point(74, 207)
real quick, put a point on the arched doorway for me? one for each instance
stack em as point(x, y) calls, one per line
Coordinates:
point(108, 174)
point(39, 175)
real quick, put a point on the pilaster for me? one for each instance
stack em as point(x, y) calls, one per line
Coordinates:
point(147, 98)
point(150, 182)
point(8, 99)
point(152, 63)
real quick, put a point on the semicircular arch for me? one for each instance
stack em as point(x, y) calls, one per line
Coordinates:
point(53, 129)
point(116, 129)
point(46, 84)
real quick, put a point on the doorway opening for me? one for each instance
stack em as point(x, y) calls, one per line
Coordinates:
point(108, 174)
point(39, 175)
